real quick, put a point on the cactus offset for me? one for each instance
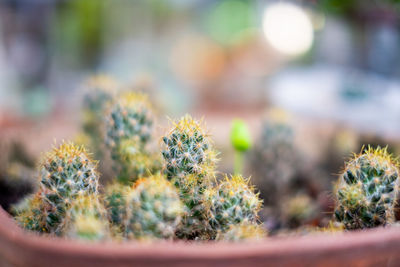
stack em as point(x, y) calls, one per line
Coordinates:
point(242, 232)
point(232, 202)
point(367, 189)
point(190, 165)
point(129, 128)
point(86, 219)
point(65, 173)
point(153, 209)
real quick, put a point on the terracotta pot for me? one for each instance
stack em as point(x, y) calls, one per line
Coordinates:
point(379, 247)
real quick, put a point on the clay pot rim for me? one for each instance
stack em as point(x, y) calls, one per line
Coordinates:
point(385, 240)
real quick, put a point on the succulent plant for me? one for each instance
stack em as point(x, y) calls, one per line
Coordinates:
point(99, 92)
point(232, 202)
point(86, 219)
point(188, 149)
point(65, 173)
point(273, 162)
point(245, 231)
point(367, 189)
point(129, 128)
point(153, 209)
point(189, 163)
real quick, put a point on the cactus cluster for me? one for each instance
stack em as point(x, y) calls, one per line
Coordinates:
point(66, 173)
point(189, 163)
point(367, 190)
point(178, 194)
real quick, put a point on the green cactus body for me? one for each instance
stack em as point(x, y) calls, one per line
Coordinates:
point(232, 202)
point(242, 232)
point(367, 189)
point(99, 92)
point(65, 173)
point(153, 209)
point(86, 219)
point(129, 128)
point(189, 163)
point(115, 202)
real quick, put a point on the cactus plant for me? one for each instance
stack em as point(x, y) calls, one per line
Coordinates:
point(190, 165)
point(129, 128)
point(86, 219)
point(273, 162)
point(65, 173)
point(99, 91)
point(153, 209)
point(232, 202)
point(367, 189)
point(188, 149)
point(244, 231)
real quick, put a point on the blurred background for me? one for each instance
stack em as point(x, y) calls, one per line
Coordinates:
point(314, 80)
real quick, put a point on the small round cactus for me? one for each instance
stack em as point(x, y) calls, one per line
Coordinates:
point(242, 232)
point(367, 189)
point(153, 209)
point(188, 149)
point(129, 128)
point(233, 201)
point(86, 219)
point(65, 173)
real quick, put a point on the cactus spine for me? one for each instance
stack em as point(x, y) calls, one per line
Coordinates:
point(153, 209)
point(129, 128)
point(189, 164)
point(232, 202)
point(367, 189)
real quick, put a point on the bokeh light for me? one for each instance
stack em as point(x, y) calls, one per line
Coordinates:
point(288, 28)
